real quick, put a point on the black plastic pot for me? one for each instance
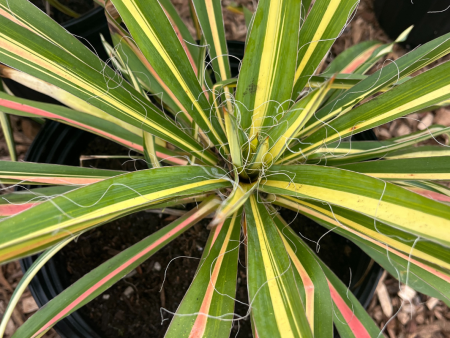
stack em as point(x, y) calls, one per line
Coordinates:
point(429, 17)
point(87, 29)
point(61, 144)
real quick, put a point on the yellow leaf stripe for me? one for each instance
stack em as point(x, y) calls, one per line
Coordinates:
point(109, 211)
point(219, 52)
point(406, 218)
point(126, 39)
point(64, 97)
point(21, 53)
point(347, 224)
point(326, 19)
point(443, 91)
point(216, 40)
point(276, 288)
point(425, 153)
point(236, 199)
point(149, 32)
point(269, 62)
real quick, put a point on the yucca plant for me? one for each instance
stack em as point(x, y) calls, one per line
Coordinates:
point(276, 136)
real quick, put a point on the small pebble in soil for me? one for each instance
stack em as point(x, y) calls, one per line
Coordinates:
point(157, 266)
point(106, 296)
point(128, 292)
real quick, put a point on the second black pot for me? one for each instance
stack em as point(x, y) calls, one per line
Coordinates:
point(429, 17)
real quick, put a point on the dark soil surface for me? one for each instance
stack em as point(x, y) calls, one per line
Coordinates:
point(79, 6)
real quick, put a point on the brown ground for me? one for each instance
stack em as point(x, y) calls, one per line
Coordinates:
point(423, 317)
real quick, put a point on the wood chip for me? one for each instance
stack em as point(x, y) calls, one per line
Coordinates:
point(443, 117)
point(385, 300)
point(426, 122)
point(438, 314)
point(411, 119)
point(432, 302)
point(10, 328)
point(407, 293)
point(420, 318)
point(383, 133)
point(29, 305)
point(4, 282)
point(402, 130)
point(403, 317)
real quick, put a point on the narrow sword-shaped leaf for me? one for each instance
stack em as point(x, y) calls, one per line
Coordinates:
point(360, 58)
point(110, 272)
point(98, 203)
point(26, 279)
point(350, 318)
point(352, 58)
point(355, 151)
point(420, 92)
point(424, 276)
point(38, 173)
point(267, 73)
point(421, 151)
point(387, 76)
point(322, 27)
point(293, 121)
point(43, 59)
point(310, 279)
point(430, 168)
point(15, 202)
point(63, 96)
point(360, 225)
point(209, 14)
point(210, 18)
point(207, 309)
point(241, 192)
point(372, 197)
point(119, 133)
point(181, 29)
point(154, 35)
point(431, 190)
point(63, 9)
point(8, 135)
point(234, 141)
point(276, 305)
point(126, 48)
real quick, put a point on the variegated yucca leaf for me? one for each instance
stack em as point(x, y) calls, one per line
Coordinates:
point(424, 264)
point(100, 202)
point(101, 278)
point(279, 134)
point(208, 306)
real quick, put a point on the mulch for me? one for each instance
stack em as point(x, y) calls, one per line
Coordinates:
point(402, 311)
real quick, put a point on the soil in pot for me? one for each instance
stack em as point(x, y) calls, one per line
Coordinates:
point(132, 307)
point(78, 6)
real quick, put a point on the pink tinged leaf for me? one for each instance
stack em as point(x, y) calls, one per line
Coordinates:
point(198, 329)
point(183, 43)
point(43, 113)
point(309, 291)
point(431, 194)
point(105, 279)
point(398, 253)
point(354, 65)
point(353, 322)
point(12, 209)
